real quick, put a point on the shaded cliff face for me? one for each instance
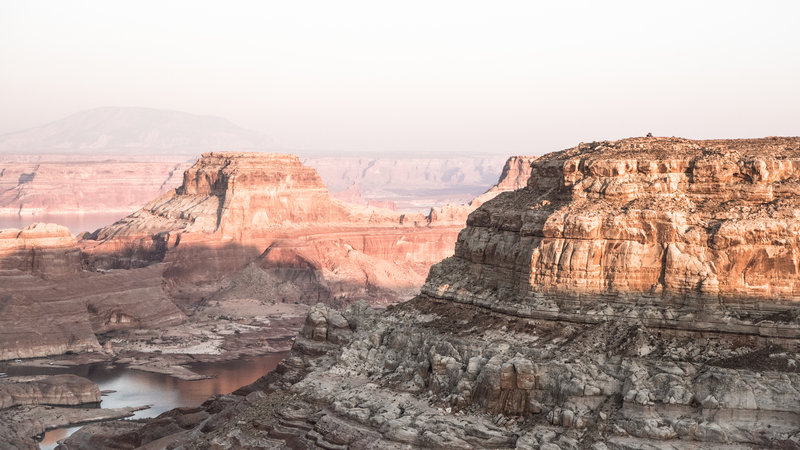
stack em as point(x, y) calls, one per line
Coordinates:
point(597, 308)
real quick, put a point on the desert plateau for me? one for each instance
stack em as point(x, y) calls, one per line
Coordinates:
point(619, 294)
point(361, 225)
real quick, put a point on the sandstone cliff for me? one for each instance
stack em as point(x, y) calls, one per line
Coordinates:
point(699, 234)
point(637, 294)
point(53, 187)
point(50, 305)
point(234, 209)
point(244, 229)
point(48, 250)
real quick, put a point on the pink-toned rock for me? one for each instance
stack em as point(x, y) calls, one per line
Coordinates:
point(84, 184)
point(671, 219)
point(47, 250)
point(233, 207)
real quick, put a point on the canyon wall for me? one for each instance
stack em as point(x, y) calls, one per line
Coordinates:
point(91, 186)
point(636, 294)
point(52, 185)
point(50, 305)
point(236, 208)
point(676, 224)
point(248, 228)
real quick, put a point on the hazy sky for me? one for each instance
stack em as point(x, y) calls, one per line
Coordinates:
point(498, 76)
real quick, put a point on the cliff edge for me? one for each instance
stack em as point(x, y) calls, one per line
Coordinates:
point(636, 294)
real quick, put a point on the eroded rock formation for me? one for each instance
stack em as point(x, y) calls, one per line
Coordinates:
point(50, 390)
point(235, 209)
point(84, 185)
point(31, 405)
point(637, 294)
point(252, 231)
point(47, 250)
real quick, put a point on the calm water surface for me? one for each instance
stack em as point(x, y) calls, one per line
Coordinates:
point(161, 392)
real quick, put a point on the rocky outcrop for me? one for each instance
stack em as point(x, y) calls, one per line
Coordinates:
point(234, 209)
point(515, 175)
point(49, 390)
point(30, 405)
point(19, 426)
point(237, 217)
point(699, 235)
point(46, 250)
point(576, 313)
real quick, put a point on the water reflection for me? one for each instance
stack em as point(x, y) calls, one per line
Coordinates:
point(161, 392)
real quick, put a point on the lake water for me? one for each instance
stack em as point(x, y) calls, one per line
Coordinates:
point(76, 223)
point(161, 392)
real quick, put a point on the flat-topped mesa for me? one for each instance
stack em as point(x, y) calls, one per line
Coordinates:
point(234, 194)
point(677, 224)
point(236, 208)
point(261, 190)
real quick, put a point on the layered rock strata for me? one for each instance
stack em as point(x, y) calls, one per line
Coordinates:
point(51, 317)
point(248, 230)
point(50, 305)
point(49, 390)
point(699, 235)
point(580, 312)
point(46, 250)
point(30, 405)
point(234, 209)
point(84, 185)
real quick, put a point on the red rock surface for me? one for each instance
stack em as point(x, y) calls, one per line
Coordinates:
point(669, 221)
point(233, 207)
point(84, 184)
point(50, 305)
point(265, 213)
point(637, 294)
point(47, 250)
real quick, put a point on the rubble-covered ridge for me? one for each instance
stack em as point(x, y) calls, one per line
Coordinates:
point(622, 305)
point(436, 374)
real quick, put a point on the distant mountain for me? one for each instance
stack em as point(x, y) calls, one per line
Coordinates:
point(122, 130)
